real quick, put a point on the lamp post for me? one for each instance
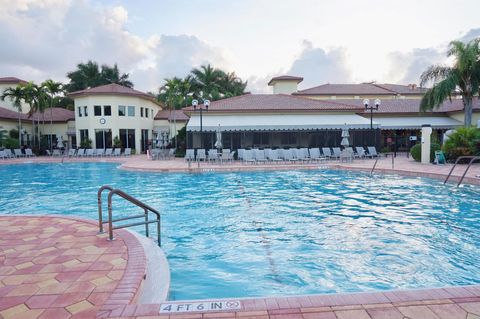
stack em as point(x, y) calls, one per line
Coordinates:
point(206, 104)
point(366, 103)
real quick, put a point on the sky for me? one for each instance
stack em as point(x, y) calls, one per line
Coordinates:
point(342, 41)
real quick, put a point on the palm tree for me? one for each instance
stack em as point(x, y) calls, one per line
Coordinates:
point(462, 78)
point(15, 94)
point(52, 88)
point(112, 75)
point(206, 81)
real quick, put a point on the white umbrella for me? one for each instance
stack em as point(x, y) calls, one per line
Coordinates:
point(158, 143)
point(218, 143)
point(345, 135)
point(59, 141)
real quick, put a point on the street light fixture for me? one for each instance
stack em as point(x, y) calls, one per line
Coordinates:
point(206, 104)
point(366, 103)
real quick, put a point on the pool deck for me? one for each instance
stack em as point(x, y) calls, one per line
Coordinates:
point(60, 267)
point(402, 165)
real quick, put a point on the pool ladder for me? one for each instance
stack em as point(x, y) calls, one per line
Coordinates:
point(472, 160)
point(147, 209)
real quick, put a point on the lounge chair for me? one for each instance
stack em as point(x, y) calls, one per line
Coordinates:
point(201, 156)
point(302, 154)
point(273, 156)
point(128, 152)
point(327, 152)
point(90, 152)
point(18, 152)
point(213, 155)
point(240, 152)
point(248, 156)
point(337, 152)
point(56, 152)
point(360, 151)
point(100, 152)
point(108, 152)
point(3, 155)
point(259, 156)
point(289, 155)
point(372, 151)
point(228, 156)
point(29, 153)
point(71, 152)
point(81, 152)
point(189, 155)
point(171, 153)
point(281, 153)
point(117, 152)
point(315, 155)
point(351, 151)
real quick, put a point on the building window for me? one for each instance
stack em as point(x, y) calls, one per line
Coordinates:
point(85, 111)
point(127, 137)
point(261, 138)
point(103, 138)
point(107, 110)
point(146, 112)
point(83, 135)
point(141, 112)
point(121, 110)
point(152, 113)
point(131, 110)
point(79, 111)
point(97, 110)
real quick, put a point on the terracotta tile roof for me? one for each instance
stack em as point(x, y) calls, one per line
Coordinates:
point(393, 106)
point(11, 79)
point(58, 115)
point(362, 89)
point(403, 89)
point(276, 102)
point(285, 78)
point(113, 89)
point(178, 115)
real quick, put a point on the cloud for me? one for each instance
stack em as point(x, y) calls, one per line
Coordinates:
point(47, 38)
point(470, 35)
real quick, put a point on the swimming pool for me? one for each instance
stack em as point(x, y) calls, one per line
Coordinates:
point(251, 234)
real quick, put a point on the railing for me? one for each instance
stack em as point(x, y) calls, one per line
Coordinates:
point(132, 200)
point(472, 160)
point(378, 157)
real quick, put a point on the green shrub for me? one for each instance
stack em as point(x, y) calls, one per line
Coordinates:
point(10, 143)
point(464, 142)
point(86, 143)
point(13, 133)
point(416, 151)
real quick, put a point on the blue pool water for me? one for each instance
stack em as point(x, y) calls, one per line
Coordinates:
point(278, 233)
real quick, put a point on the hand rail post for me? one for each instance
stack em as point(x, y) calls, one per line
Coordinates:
point(110, 223)
point(158, 231)
point(146, 222)
point(100, 213)
point(374, 165)
point(474, 158)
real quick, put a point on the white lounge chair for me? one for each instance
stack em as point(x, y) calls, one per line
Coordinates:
point(18, 152)
point(3, 155)
point(81, 152)
point(372, 151)
point(240, 152)
point(108, 152)
point(190, 155)
point(117, 152)
point(201, 155)
point(71, 152)
point(315, 155)
point(351, 151)
point(360, 151)
point(302, 155)
point(327, 152)
point(259, 156)
point(29, 153)
point(248, 156)
point(273, 156)
point(213, 155)
point(128, 152)
point(99, 152)
point(89, 152)
point(56, 152)
point(337, 152)
point(290, 155)
point(171, 153)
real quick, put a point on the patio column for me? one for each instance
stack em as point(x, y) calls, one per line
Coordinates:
point(426, 141)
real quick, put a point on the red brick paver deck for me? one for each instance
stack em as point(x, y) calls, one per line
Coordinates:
point(56, 267)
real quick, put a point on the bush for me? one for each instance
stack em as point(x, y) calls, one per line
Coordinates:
point(464, 142)
point(86, 143)
point(416, 151)
point(10, 143)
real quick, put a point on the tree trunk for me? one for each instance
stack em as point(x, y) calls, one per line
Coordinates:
point(468, 112)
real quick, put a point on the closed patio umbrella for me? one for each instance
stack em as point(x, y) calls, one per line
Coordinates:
point(345, 135)
point(218, 143)
point(59, 141)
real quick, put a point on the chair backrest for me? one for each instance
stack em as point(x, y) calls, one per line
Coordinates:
point(18, 152)
point(88, 151)
point(80, 152)
point(240, 153)
point(212, 154)
point(349, 149)
point(336, 151)
point(3, 154)
point(305, 152)
point(190, 154)
point(314, 152)
point(226, 151)
point(28, 151)
point(372, 150)
point(248, 155)
point(128, 151)
point(327, 151)
point(360, 150)
point(288, 154)
point(108, 151)
point(201, 153)
point(171, 152)
point(56, 152)
point(117, 151)
point(259, 154)
point(100, 151)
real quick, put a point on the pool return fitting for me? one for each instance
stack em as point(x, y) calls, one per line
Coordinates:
point(132, 200)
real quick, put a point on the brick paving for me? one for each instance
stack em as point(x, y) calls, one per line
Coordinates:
point(55, 267)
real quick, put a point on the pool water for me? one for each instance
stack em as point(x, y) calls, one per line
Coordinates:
point(251, 234)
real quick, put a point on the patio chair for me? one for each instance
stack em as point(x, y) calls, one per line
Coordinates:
point(29, 153)
point(201, 155)
point(302, 154)
point(90, 152)
point(372, 151)
point(240, 153)
point(306, 154)
point(71, 152)
point(360, 151)
point(117, 152)
point(281, 153)
point(3, 155)
point(273, 156)
point(100, 152)
point(351, 151)
point(213, 155)
point(81, 152)
point(327, 152)
point(259, 156)
point(108, 152)
point(57, 152)
point(337, 152)
point(289, 155)
point(18, 152)
point(189, 155)
point(171, 153)
point(128, 152)
point(315, 155)
point(248, 156)
point(155, 153)
point(230, 156)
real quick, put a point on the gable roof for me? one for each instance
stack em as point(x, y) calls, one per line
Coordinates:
point(11, 80)
point(177, 115)
point(276, 102)
point(114, 89)
point(58, 115)
point(362, 89)
point(297, 79)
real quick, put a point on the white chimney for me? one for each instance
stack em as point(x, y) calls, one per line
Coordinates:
point(285, 84)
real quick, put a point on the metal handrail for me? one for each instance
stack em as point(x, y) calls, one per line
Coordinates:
point(132, 200)
point(378, 157)
point(472, 160)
